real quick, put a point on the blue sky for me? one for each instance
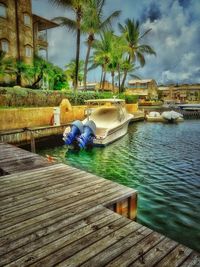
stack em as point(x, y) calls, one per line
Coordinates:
point(175, 37)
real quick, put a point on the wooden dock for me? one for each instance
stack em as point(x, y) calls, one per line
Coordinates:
point(56, 215)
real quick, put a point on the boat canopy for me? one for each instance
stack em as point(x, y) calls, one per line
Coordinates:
point(107, 100)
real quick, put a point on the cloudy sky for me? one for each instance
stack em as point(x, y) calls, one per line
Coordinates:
point(175, 37)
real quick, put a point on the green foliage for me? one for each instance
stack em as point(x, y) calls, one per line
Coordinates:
point(70, 71)
point(131, 99)
point(24, 97)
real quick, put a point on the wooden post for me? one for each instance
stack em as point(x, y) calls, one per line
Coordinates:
point(33, 150)
point(132, 207)
point(119, 208)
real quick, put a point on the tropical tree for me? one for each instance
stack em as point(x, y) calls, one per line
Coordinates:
point(47, 74)
point(6, 64)
point(76, 6)
point(71, 71)
point(40, 70)
point(103, 53)
point(93, 24)
point(136, 51)
point(22, 71)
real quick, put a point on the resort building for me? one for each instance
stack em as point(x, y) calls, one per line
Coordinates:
point(23, 34)
point(180, 93)
point(94, 86)
point(145, 89)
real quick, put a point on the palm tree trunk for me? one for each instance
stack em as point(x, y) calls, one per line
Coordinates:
point(104, 79)
point(113, 83)
point(119, 78)
point(18, 79)
point(125, 75)
point(86, 64)
point(101, 80)
point(78, 38)
point(123, 81)
point(39, 78)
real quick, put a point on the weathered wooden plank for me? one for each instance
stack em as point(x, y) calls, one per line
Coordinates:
point(48, 189)
point(176, 257)
point(60, 232)
point(192, 261)
point(49, 193)
point(155, 254)
point(24, 164)
point(34, 175)
point(91, 202)
point(70, 177)
point(13, 159)
point(73, 199)
point(29, 183)
point(14, 241)
point(35, 172)
point(66, 193)
point(67, 244)
point(104, 257)
point(100, 245)
point(137, 251)
point(44, 225)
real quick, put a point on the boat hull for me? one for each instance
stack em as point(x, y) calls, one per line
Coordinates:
point(112, 135)
point(161, 119)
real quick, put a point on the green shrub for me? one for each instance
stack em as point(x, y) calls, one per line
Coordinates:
point(131, 99)
point(25, 97)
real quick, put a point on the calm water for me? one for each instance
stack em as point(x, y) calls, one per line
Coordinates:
point(161, 161)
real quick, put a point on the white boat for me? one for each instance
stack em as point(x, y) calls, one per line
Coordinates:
point(192, 107)
point(172, 116)
point(106, 121)
point(154, 116)
point(166, 116)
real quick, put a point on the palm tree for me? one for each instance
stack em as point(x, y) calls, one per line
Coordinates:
point(103, 53)
point(41, 69)
point(93, 23)
point(133, 37)
point(76, 6)
point(71, 71)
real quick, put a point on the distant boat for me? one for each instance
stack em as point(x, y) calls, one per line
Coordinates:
point(189, 106)
point(166, 116)
point(172, 116)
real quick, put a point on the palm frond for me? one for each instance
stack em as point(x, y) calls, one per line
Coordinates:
point(62, 3)
point(145, 33)
point(146, 49)
point(107, 23)
point(66, 22)
point(140, 58)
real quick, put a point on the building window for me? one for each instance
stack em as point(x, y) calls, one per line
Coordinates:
point(28, 51)
point(27, 20)
point(3, 10)
point(4, 45)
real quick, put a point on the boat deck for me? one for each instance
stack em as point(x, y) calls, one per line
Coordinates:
point(56, 215)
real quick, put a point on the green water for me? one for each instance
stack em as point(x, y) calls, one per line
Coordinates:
point(161, 161)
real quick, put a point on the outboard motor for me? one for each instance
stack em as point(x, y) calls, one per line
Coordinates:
point(86, 138)
point(75, 131)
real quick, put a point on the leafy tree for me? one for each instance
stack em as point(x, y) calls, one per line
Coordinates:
point(76, 6)
point(6, 64)
point(46, 72)
point(103, 53)
point(93, 23)
point(71, 71)
point(136, 51)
